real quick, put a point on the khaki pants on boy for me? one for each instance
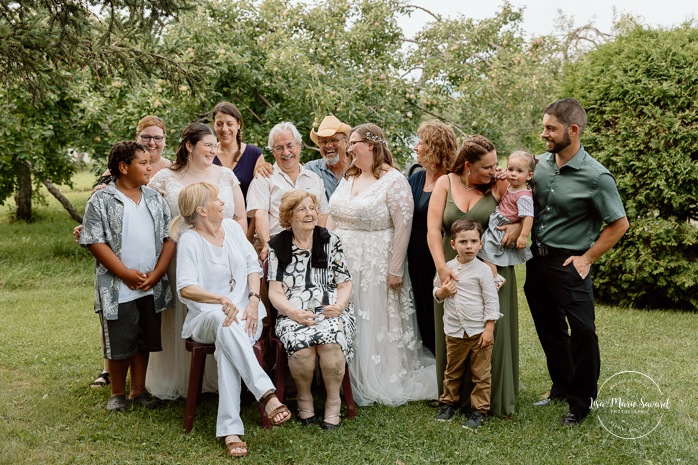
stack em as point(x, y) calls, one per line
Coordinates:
point(457, 352)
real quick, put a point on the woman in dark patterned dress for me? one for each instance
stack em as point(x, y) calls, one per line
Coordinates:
point(310, 286)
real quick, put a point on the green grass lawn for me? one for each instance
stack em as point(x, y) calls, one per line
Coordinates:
point(49, 352)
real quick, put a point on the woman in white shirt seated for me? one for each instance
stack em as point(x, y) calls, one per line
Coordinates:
point(218, 279)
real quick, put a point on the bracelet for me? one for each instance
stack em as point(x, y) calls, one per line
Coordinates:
point(254, 294)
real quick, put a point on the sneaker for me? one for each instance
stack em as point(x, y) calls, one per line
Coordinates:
point(476, 420)
point(445, 413)
point(547, 401)
point(572, 419)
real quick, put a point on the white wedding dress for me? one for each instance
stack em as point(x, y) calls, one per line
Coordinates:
point(390, 366)
point(168, 371)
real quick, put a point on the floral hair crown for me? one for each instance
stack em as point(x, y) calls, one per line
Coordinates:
point(374, 138)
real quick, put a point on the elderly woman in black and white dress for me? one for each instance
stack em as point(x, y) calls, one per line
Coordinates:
point(218, 280)
point(310, 286)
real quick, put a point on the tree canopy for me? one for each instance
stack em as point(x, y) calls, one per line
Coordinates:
point(43, 42)
point(52, 53)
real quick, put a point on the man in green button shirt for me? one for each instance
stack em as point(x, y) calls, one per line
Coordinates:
point(574, 196)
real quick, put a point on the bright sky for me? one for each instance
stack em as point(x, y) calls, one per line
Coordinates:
point(540, 15)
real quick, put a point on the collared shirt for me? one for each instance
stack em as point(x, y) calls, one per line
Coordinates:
point(102, 224)
point(329, 179)
point(572, 202)
point(475, 302)
point(265, 194)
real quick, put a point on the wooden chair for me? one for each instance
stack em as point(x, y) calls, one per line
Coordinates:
point(199, 351)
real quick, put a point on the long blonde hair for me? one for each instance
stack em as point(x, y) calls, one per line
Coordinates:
point(193, 196)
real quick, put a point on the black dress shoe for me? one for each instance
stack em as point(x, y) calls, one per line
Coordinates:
point(330, 426)
point(309, 421)
point(572, 419)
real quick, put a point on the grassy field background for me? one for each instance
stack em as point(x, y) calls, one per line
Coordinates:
point(49, 352)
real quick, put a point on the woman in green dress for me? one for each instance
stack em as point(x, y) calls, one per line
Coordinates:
point(471, 190)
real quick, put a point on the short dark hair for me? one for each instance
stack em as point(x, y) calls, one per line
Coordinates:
point(123, 152)
point(568, 111)
point(465, 224)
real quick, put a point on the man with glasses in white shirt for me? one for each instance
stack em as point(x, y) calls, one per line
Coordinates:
point(264, 194)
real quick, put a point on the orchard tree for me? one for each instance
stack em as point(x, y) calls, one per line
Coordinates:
point(485, 77)
point(46, 48)
point(290, 61)
point(640, 92)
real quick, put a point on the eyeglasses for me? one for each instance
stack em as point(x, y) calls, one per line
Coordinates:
point(333, 141)
point(279, 149)
point(212, 147)
point(353, 143)
point(147, 139)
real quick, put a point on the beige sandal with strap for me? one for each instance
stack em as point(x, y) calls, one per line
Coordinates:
point(231, 446)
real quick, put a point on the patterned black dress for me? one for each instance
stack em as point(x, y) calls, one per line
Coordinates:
point(309, 286)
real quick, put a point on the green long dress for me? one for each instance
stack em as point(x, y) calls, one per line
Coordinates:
point(505, 354)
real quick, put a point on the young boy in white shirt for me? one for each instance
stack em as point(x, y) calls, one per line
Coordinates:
point(126, 229)
point(471, 307)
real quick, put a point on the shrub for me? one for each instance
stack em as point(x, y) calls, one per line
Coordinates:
point(639, 92)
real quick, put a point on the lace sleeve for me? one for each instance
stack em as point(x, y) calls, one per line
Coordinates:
point(157, 182)
point(401, 208)
point(230, 177)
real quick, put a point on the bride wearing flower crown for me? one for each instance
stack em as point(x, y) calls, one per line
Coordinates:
point(372, 213)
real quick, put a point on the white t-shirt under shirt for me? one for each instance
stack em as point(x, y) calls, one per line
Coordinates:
point(137, 244)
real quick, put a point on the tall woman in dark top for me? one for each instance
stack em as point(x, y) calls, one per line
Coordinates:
point(234, 154)
point(435, 150)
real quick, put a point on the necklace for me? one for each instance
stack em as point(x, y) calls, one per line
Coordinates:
point(302, 246)
point(429, 184)
point(223, 255)
point(157, 162)
point(468, 189)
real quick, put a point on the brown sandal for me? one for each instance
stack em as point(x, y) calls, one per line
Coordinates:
point(231, 446)
point(280, 409)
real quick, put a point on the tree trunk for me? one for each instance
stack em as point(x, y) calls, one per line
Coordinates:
point(23, 196)
point(63, 200)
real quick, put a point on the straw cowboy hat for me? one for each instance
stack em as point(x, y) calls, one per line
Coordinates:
point(329, 126)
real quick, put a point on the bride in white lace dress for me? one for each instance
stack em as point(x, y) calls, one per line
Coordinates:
point(372, 213)
point(168, 371)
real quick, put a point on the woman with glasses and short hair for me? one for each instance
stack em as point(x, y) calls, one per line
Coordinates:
point(168, 371)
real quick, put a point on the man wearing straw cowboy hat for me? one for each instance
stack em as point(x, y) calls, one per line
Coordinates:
point(332, 137)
